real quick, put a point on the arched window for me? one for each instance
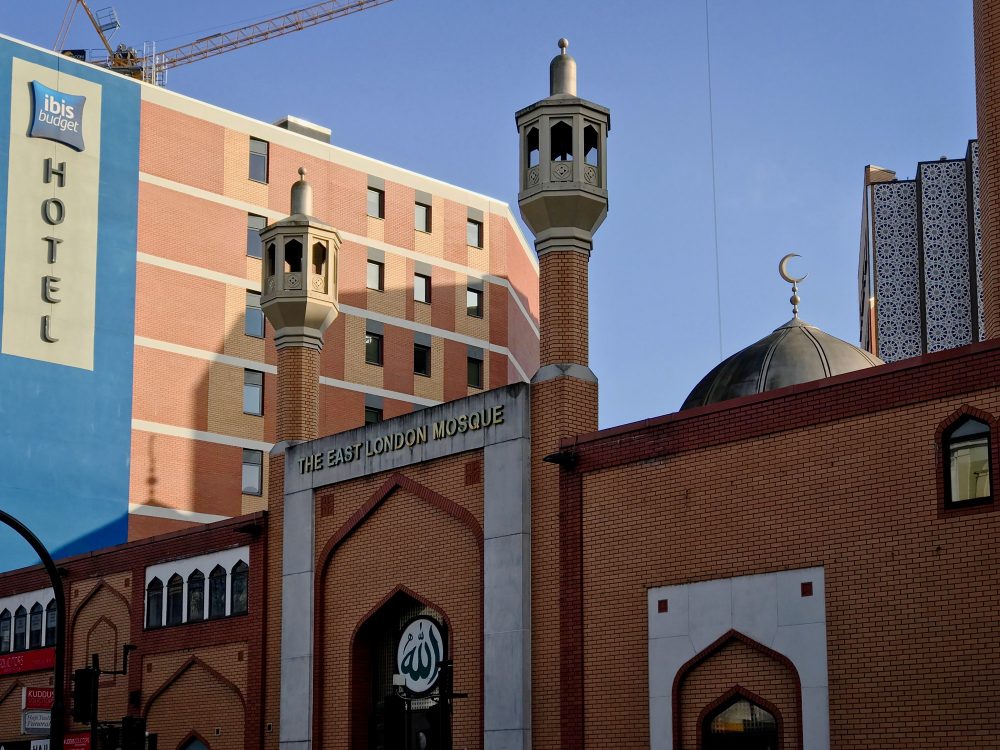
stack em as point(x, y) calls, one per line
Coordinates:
point(217, 592)
point(293, 256)
point(196, 596)
point(194, 744)
point(967, 457)
point(591, 154)
point(154, 603)
point(740, 724)
point(20, 628)
point(35, 627)
point(4, 631)
point(269, 260)
point(50, 623)
point(175, 600)
point(531, 144)
point(562, 141)
point(238, 595)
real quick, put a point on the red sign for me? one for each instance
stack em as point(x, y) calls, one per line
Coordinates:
point(28, 661)
point(40, 697)
point(76, 741)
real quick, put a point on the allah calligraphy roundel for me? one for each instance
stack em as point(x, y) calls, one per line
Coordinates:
point(419, 655)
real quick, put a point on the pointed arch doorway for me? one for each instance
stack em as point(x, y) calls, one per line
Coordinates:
point(740, 724)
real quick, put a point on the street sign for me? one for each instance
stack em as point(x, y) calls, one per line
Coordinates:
point(34, 721)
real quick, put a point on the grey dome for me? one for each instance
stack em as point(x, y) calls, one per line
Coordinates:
point(794, 353)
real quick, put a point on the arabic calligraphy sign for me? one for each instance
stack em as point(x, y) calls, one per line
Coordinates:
point(419, 655)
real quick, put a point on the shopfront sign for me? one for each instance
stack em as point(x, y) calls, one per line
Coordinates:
point(28, 661)
point(36, 722)
point(419, 654)
point(37, 697)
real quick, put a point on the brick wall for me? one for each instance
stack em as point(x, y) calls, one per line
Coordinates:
point(986, 15)
point(563, 293)
point(298, 386)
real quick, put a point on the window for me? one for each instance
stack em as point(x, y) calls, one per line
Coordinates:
point(35, 627)
point(531, 147)
point(967, 452)
point(238, 586)
point(253, 392)
point(590, 153)
point(196, 596)
point(175, 600)
point(4, 631)
point(562, 141)
point(373, 415)
point(253, 325)
point(254, 224)
point(20, 628)
point(475, 371)
point(258, 160)
point(421, 217)
point(50, 623)
point(252, 471)
point(422, 288)
point(373, 348)
point(376, 203)
point(376, 275)
point(154, 603)
point(422, 359)
point(474, 233)
point(474, 302)
point(217, 592)
point(740, 724)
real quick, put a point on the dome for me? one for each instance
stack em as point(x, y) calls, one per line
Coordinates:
point(794, 353)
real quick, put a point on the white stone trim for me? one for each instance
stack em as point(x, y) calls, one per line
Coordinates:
point(173, 514)
point(27, 599)
point(384, 393)
point(158, 428)
point(203, 273)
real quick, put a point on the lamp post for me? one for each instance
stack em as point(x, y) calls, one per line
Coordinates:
point(58, 707)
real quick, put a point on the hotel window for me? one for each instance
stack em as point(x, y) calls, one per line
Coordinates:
point(154, 603)
point(258, 160)
point(35, 627)
point(4, 631)
point(50, 623)
point(238, 589)
point(422, 360)
point(196, 596)
point(422, 217)
point(475, 367)
point(254, 224)
point(175, 600)
point(253, 469)
point(474, 233)
point(373, 347)
point(217, 592)
point(20, 628)
point(474, 302)
point(967, 456)
point(253, 392)
point(254, 323)
point(376, 203)
point(422, 288)
point(376, 276)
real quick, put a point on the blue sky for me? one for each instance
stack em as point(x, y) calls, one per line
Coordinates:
point(805, 95)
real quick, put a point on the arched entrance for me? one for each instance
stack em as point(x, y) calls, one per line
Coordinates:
point(396, 668)
point(740, 724)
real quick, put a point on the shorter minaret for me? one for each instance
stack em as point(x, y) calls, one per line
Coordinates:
point(299, 298)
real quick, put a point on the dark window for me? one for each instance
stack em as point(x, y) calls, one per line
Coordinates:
point(50, 623)
point(421, 217)
point(254, 323)
point(20, 628)
point(373, 348)
point(293, 256)
point(196, 596)
point(217, 592)
point(252, 471)
point(175, 600)
point(422, 288)
point(376, 203)
point(35, 627)
point(532, 147)
point(258, 160)
point(590, 153)
point(474, 233)
point(254, 224)
point(4, 631)
point(376, 275)
point(421, 359)
point(154, 603)
point(740, 724)
point(238, 589)
point(372, 415)
point(253, 392)
point(562, 142)
point(474, 302)
point(475, 372)
point(967, 453)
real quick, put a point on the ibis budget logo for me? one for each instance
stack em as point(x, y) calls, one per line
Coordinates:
point(57, 116)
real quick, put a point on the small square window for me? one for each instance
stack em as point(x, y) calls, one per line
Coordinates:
point(253, 325)
point(474, 302)
point(422, 288)
point(252, 471)
point(421, 217)
point(253, 392)
point(474, 233)
point(373, 348)
point(376, 203)
point(258, 160)
point(421, 359)
point(475, 372)
point(254, 224)
point(376, 275)
point(372, 415)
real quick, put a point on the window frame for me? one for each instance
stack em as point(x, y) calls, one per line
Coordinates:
point(380, 208)
point(20, 619)
point(469, 223)
point(428, 352)
point(375, 412)
point(195, 585)
point(36, 626)
point(479, 302)
point(948, 446)
point(255, 387)
point(6, 631)
point(151, 592)
point(255, 248)
point(49, 628)
point(257, 313)
point(239, 572)
point(216, 578)
point(427, 288)
point(428, 221)
point(480, 369)
point(259, 464)
point(378, 340)
point(381, 275)
point(174, 599)
point(266, 154)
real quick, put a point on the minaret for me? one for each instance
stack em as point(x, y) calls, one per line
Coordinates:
point(986, 20)
point(563, 199)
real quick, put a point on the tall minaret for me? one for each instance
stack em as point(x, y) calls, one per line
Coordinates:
point(563, 199)
point(986, 19)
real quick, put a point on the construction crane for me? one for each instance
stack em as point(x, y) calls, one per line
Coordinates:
point(152, 66)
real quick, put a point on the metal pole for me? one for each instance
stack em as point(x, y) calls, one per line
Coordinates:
point(58, 707)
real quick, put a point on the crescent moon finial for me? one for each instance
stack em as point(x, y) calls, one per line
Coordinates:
point(783, 272)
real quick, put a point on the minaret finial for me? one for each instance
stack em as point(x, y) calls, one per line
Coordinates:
point(563, 44)
point(562, 72)
point(783, 272)
point(302, 195)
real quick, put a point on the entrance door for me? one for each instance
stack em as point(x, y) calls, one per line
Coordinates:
point(740, 725)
